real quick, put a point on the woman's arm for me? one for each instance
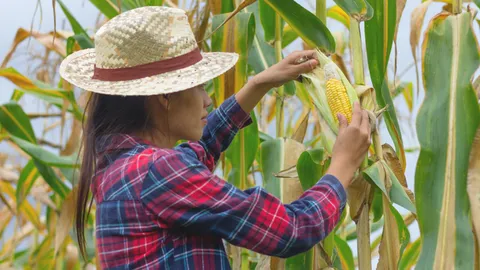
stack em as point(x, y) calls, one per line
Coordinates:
point(233, 114)
point(282, 72)
point(183, 194)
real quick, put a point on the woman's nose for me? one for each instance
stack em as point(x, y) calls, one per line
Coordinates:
point(207, 101)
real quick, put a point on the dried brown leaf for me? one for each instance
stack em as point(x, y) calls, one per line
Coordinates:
point(301, 127)
point(389, 248)
point(65, 219)
point(416, 23)
point(394, 163)
point(263, 263)
point(357, 196)
point(46, 39)
point(400, 8)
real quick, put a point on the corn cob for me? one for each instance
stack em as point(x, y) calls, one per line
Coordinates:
point(336, 93)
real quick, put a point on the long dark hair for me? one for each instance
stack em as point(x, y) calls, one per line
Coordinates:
point(104, 114)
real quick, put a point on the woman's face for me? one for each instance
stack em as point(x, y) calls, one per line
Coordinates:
point(187, 113)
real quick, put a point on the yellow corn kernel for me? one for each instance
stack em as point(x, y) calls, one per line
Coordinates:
point(338, 99)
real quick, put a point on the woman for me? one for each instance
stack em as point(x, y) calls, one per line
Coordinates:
point(160, 206)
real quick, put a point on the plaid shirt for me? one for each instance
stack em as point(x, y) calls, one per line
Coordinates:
point(166, 209)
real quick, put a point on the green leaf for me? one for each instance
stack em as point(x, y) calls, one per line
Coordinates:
point(446, 124)
point(344, 253)
point(83, 41)
point(26, 180)
point(261, 55)
point(377, 207)
point(376, 175)
point(397, 192)
point(360, 10)
point(403, 233)
point(310, 168)
point(379, 33)
point(16, 122)
point(337, 13)
point(410, 256)
point(76, 27)
point(288, 36)
point(51, 178)
point(153, 2)
point(308, 26)
point(234, 36)
point(374, 228)
point(243, 158)
point(16, 95)
point(105, 7)
point(271, 160)
point(267, 18)
point(45, 156)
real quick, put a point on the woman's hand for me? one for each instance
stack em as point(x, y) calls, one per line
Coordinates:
point(287, 69)
point(351, 145)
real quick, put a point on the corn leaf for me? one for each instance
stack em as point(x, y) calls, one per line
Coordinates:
point(106, 7)
point(450, 111)
point(262, 55)
point(27, 178)
point(337, 13)
point(473, 190)
point(45, 156)
point(308, 26)
point(379, 32)
point(234, 36)
point(311, 166)
point(267, 18)
point(376, 174)
point(288, 36)
point(65, 219)
point(291, 190)
point(25, 209)
point(242, 152)
point(16, 95)
point(360, 10)
point(410, 256)
point(76, 27)
point(271, 161)
point(16, 122)
point(344, 253)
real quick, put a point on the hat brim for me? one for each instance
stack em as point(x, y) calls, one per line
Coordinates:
point(78, 67)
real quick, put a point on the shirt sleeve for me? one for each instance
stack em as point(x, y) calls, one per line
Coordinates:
point(223, 124)
point(184, 194)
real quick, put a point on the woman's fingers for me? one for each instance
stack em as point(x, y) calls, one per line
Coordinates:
point(357, 115)
point(365, 126)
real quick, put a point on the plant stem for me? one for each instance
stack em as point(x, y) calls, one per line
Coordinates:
point(321, 10)
point(363, 238)
point(280, 91)
point(457, 6)
point(356, 50)
point(363, 224)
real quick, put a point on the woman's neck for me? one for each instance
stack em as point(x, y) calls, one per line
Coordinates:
point(157, 138)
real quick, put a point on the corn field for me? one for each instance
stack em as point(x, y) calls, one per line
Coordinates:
point(289, 145)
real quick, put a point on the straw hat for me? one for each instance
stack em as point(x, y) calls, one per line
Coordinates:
point(145, 51)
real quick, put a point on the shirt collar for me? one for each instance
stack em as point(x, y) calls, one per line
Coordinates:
point(117, 141)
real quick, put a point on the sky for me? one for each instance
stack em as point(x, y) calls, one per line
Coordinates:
point(16, 14)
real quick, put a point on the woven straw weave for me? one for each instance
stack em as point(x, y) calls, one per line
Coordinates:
point(141, 36)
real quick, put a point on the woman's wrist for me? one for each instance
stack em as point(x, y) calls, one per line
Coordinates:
point(342, 172)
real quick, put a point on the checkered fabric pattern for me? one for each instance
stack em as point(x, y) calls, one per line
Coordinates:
point(166, 209)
